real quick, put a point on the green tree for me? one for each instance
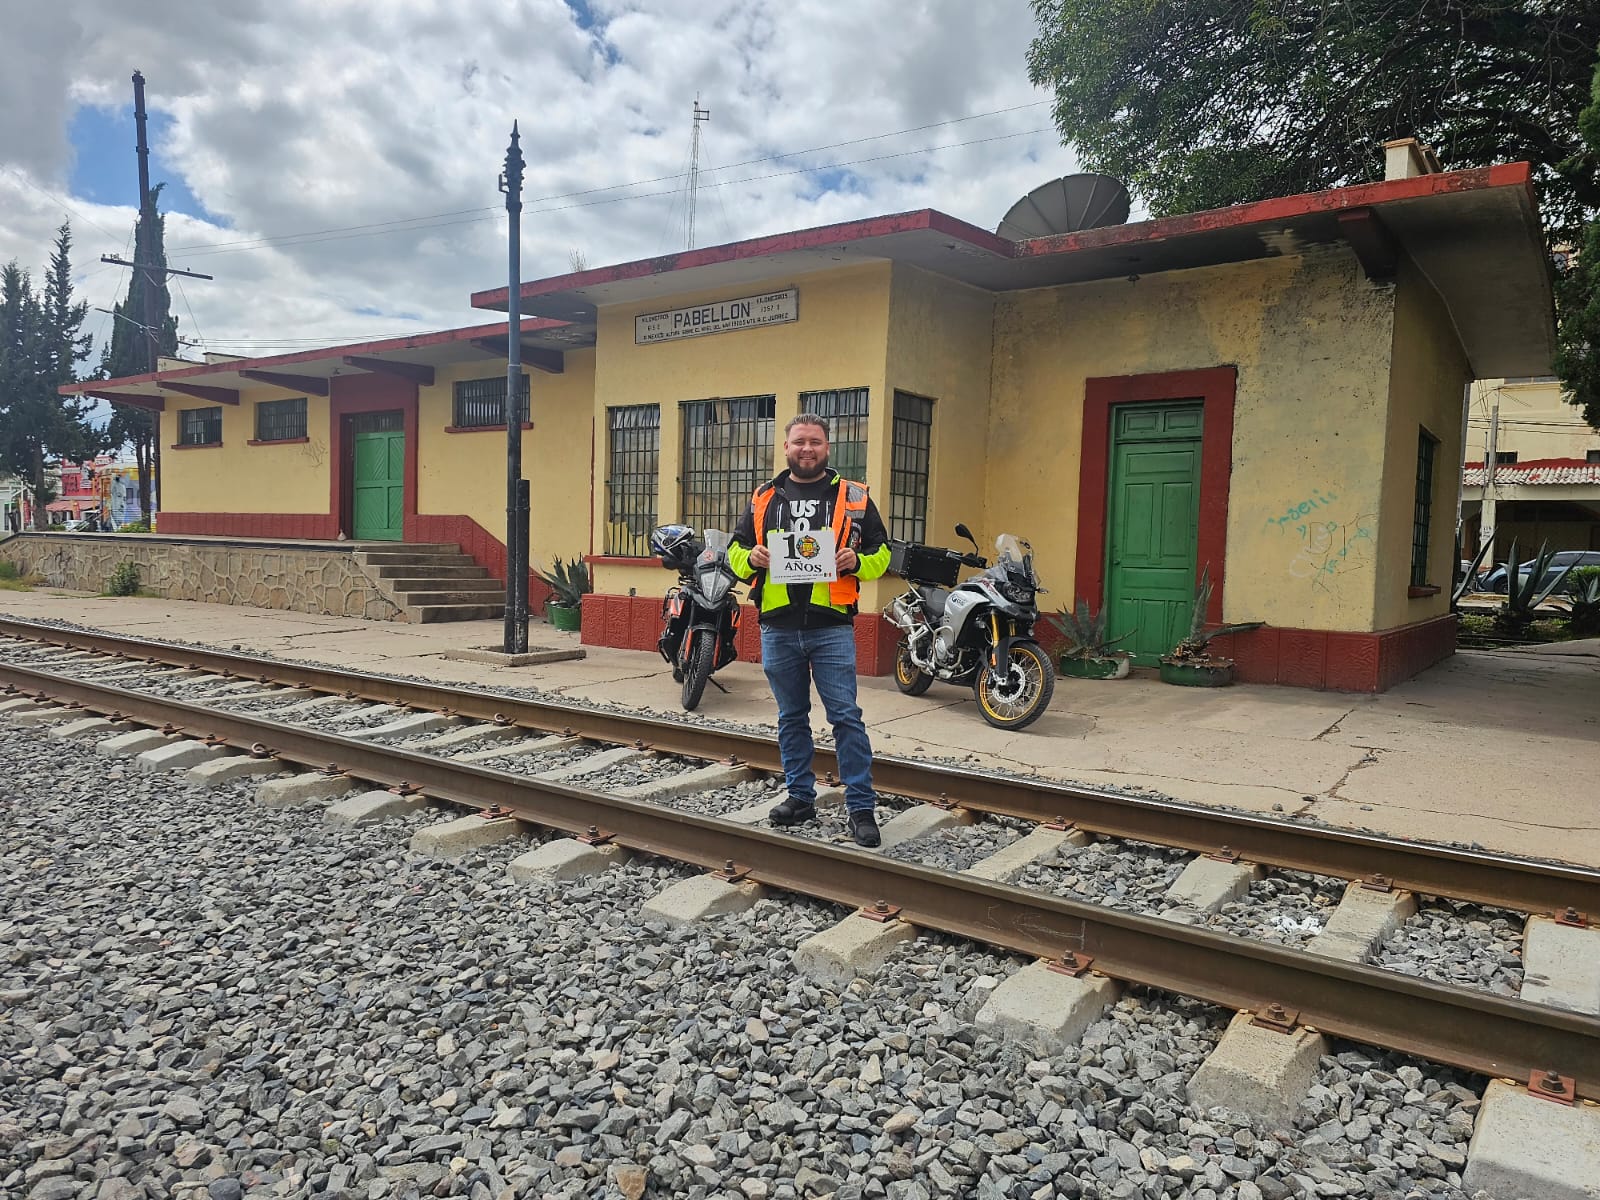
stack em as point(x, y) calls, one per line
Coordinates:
point(41, 343)
point(1578, 292)
point(1207, 103)
point(129, 351)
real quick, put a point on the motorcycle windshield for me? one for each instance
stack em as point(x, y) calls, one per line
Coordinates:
point(1008, 548)
point(712, 573)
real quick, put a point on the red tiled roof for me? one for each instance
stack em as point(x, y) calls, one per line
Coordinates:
point(1535, 471)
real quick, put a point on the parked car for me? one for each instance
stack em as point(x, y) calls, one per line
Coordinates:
point(1497, 580)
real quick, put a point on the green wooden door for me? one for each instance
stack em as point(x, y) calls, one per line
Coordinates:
point(1152, 526)
point(379, 501)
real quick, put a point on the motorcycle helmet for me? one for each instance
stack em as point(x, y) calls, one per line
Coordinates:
point(675, 545)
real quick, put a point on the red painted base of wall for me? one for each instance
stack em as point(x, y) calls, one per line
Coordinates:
point(634, 623)
point(1339, 662)
point(486, 550)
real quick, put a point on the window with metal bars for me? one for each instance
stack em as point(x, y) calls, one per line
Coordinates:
point(281, 420)
point(1422, 511)
point(727, 453)
point(912, 444)
point(633, 452)
point(480, 403)
point(845, 410)
point(200, 426)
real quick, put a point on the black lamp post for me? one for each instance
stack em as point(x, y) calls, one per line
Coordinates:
point(516, 616)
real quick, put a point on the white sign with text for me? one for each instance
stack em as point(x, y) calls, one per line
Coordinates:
point(809, 557)
point(723, 316)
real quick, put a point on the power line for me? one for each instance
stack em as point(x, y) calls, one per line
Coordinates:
point(478, 213)
point(58, 200)
point(311, 240)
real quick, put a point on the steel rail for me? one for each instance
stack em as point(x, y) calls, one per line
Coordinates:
point(1476, 1031)
point(1506, 881)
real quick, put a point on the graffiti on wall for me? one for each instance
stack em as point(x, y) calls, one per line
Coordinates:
point(1327, 543)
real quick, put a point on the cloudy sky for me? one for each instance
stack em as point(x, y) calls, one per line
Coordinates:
point(334, 163)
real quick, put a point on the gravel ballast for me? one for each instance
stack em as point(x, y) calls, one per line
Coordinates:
point(207, 1000)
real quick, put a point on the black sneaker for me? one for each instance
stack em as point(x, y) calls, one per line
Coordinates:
point(864, 828)
point(792, 812)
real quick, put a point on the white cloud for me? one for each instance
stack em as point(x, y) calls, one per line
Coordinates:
point(316, 115)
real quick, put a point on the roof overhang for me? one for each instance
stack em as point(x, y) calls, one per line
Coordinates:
point(311, 371)
point(1475, 234)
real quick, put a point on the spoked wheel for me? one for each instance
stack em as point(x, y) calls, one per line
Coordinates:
point(908, 677)
point(1017, 695)
point(697, 666)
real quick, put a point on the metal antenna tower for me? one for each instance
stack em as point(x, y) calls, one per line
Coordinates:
point(700, 114)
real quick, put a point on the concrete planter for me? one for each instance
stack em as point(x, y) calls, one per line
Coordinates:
point(563, 617)
point(1113, 666)
point(1208, 672)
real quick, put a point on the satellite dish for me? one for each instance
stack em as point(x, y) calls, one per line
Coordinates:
point(1066, 205)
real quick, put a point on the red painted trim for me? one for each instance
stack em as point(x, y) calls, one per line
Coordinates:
point(1417, 593)
point(1281, 208)
point(780, 243)
point(1524, 464)
point(1271, 211)
point(482, 428)
point(1215, 387)
point(289, 526)
point(421, 341)
point(365, 394)
point(196, 446)
point(277, 441)
point(1338, 660)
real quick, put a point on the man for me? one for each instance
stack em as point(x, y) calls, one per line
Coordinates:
point(808, 629)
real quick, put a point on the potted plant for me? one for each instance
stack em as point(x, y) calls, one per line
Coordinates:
point(1088, 655)
point(568, 583)
point(1190, 664)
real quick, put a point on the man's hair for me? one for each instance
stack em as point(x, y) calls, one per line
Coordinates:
point(807, 419)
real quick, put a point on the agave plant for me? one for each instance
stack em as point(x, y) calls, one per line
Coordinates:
point(1085, 632)
point(1193, 647)
point(568, 582)
point(1523, 593)
point(1583, 589)
point(1464, 584)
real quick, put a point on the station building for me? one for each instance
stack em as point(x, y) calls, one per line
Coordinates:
point(1272, 394)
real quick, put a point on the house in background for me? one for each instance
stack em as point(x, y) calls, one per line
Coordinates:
point(1546, 484)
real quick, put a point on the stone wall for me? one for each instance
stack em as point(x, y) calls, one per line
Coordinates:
point(302, 580)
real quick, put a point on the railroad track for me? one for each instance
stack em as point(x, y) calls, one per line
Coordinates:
point(395, 734)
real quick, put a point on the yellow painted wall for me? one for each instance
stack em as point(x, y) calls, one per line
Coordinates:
point(465, 473)
point(838, 342)
point(236, 478)
point(941, 337)
point(1311, 341)
point(1425, 391)
point(1535, 421)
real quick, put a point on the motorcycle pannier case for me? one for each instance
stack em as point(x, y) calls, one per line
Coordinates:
point(925, 564)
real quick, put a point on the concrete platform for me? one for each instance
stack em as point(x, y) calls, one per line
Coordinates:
point(1481, 748)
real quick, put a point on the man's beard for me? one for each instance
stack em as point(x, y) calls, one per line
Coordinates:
point(794, 469)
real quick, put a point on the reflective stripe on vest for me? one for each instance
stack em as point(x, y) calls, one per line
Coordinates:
point(849, 511)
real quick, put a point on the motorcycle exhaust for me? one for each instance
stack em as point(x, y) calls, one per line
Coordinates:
point(899, 615)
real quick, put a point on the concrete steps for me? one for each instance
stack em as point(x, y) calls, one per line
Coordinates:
point(432, 581)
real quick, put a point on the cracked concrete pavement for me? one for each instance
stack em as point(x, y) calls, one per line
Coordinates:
point(1499, 749)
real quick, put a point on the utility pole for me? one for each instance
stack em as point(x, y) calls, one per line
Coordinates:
point(147, 267)
point(1486, 516)
point(700, 114)
point(516, 616)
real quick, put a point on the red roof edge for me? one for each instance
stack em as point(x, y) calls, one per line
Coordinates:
point(1536, 464)
point(1283, 208)
point(841, 234)
point(1258, 212)
point(415, 341)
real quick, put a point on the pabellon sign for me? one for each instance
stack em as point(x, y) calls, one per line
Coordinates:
point(722, 316)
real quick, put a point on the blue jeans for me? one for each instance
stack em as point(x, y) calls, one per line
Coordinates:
point(792, 658)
